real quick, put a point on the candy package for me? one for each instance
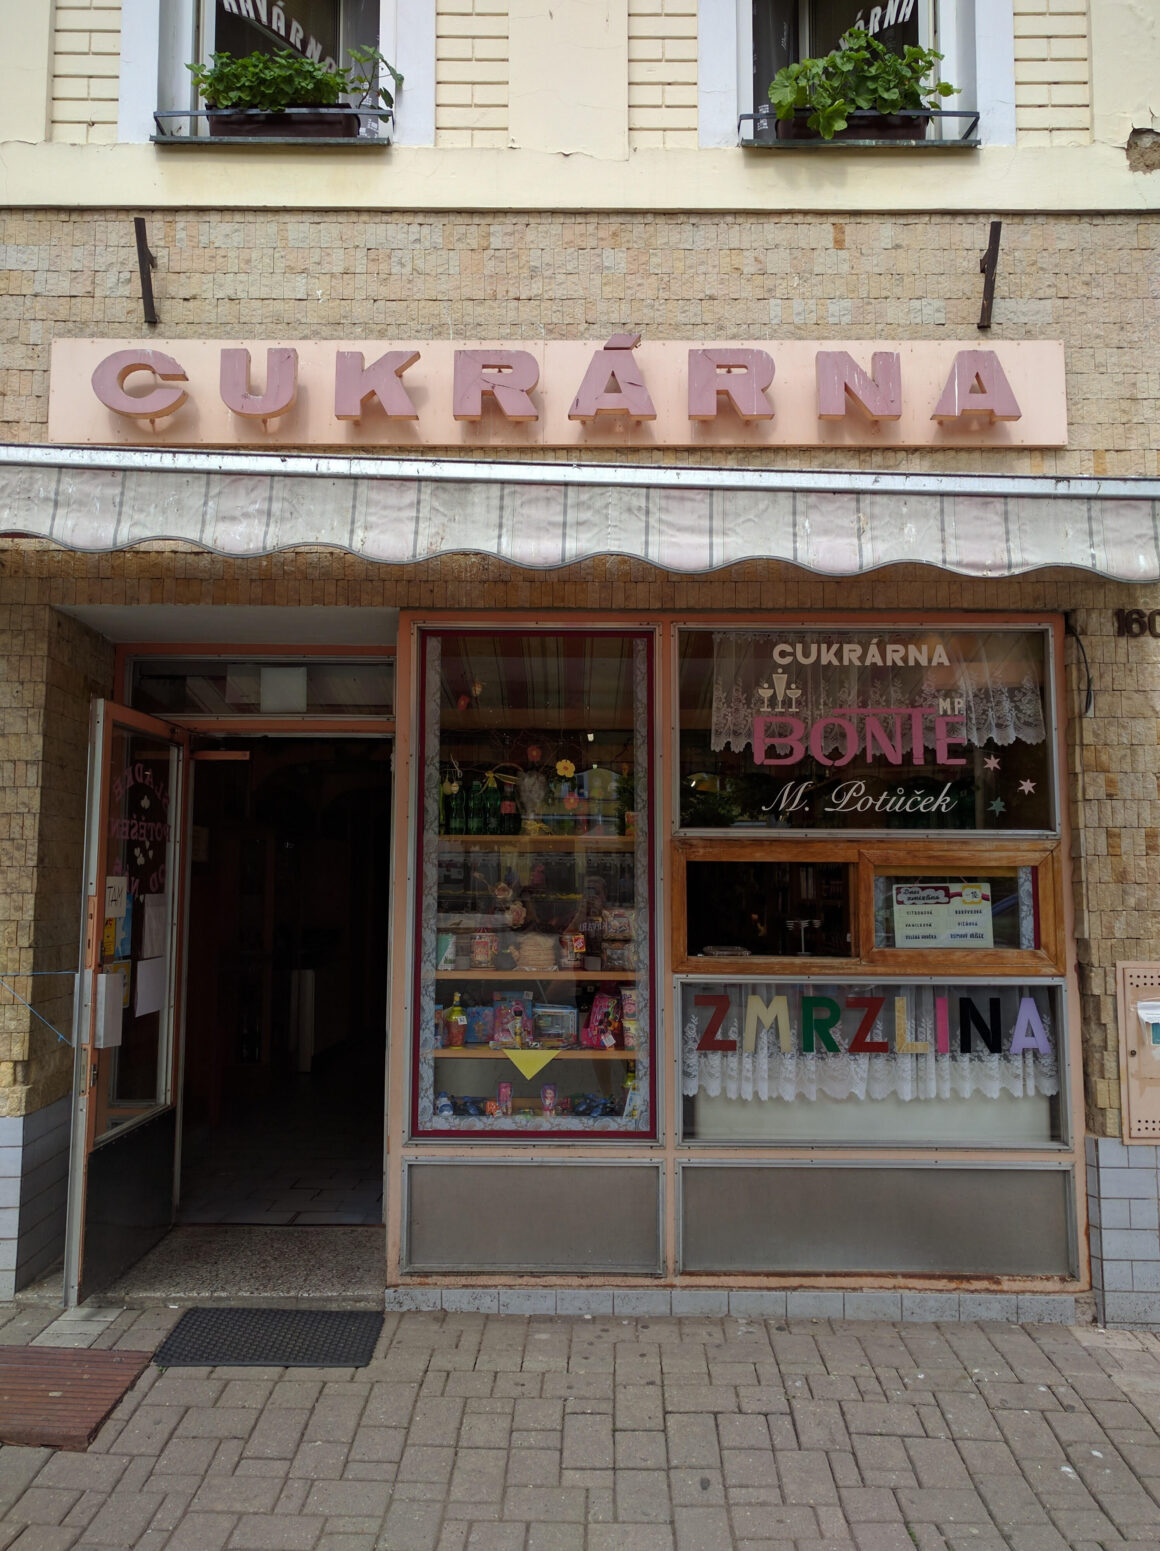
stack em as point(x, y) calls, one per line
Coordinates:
point(554, 1026)
point(618, 955)
point(617, 925)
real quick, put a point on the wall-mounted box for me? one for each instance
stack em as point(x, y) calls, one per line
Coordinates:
point(1138, 1008)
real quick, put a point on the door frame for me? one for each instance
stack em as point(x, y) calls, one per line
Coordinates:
point(105, 716)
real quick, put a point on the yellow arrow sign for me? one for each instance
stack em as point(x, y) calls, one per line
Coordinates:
point(529, 1062)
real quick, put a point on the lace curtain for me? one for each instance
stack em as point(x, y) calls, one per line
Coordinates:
point(999, 680)
point(768, 1072)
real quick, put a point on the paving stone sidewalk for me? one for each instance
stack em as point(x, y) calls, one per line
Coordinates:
point(474, 1432)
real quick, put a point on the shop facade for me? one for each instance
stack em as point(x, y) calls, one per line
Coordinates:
point(612, 637)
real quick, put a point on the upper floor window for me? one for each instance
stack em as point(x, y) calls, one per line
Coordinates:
point(742, 44)
point(323, 30)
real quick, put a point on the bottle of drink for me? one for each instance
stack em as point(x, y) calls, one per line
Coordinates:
point(492, 805)
point(475, 809)
point(455, 1023)
point(457, 812)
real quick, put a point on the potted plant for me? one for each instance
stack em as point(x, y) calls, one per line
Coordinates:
point(859, 91)
point(288, 94)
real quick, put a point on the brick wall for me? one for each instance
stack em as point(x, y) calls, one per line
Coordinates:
point(471, 73)
point(1092, 281)
point(662, 73)
point(1052, 72)
point(86, 63)
point(49, 668)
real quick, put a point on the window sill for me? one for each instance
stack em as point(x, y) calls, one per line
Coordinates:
point(250, 143)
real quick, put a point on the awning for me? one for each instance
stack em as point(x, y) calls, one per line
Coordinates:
point(688, 519)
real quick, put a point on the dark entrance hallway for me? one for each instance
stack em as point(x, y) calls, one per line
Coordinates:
point(286, 988)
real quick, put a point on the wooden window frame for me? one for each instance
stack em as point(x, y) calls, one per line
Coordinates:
point(868, 859)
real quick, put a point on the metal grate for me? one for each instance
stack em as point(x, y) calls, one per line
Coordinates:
point(57, 1398)
point(279, 1338)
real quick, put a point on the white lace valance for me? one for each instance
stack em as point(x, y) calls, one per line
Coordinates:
point(997, 676)
point(1025, 1064)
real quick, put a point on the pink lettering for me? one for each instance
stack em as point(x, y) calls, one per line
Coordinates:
point(765, 734)
point(943, 738)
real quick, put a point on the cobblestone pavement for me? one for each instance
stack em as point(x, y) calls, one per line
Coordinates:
point(474, 1432)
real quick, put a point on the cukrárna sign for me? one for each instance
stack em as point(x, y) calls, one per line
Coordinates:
point(365, 394)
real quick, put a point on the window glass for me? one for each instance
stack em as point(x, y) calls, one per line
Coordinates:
point(533, 1009)
point(892, 1062)
point(769, 909)
point(217, 687)
point(991, 908)
point(894, 728)
point(308, 27)
point(136, 944)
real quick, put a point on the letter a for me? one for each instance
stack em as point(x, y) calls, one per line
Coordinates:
point(613, 384)
point(977, 386)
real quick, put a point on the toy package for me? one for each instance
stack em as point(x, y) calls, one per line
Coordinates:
point(618, 925)
point(480, 1021)
point(554, 1026)
point(603, 1025)
point(512, 1018)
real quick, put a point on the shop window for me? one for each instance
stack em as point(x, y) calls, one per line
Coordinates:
point(886, 729)
point(968, 1063)
point(767, 909)
point(533, 983)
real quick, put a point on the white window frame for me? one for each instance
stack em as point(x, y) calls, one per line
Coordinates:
point(969, 31)
point(157, 39)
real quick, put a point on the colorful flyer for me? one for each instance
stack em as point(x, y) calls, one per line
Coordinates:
point(942, 915)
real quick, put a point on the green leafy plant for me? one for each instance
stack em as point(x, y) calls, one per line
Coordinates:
point(274, 82)
point(858, 75)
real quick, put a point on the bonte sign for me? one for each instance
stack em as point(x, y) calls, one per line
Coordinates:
point(615, 393)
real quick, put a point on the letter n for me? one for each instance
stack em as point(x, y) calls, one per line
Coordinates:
point(877, 394)
point(970, 1019)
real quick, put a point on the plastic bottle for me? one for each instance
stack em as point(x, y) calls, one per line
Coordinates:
point(457, 812)
point(492, 805)
point(475, 809)
point(455, 1023)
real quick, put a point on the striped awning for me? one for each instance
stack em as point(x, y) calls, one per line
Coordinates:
point(543, 515)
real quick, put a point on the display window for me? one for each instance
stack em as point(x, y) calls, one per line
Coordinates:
point(971, 1063)
point(893, 728)
point(533, 1004)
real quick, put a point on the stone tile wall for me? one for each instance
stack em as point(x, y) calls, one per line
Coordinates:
point(33, 1183)
point(1091, 281)
point(1123, 1185)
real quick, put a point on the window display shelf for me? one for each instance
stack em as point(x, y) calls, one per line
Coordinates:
point(576, 842)
point(589, 976)
point(486, 1053)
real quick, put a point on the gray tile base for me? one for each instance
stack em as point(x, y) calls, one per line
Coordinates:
point(1123, 1185)
point(745, 1303)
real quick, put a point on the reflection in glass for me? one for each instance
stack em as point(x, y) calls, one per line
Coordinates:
point(769, 909)
point(852, 729)
point(217, 687)
point(992, 909)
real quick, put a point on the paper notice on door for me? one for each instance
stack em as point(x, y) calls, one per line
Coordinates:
point(153, 930)
point(110, 989)
point(116, 895)
point(150, 986)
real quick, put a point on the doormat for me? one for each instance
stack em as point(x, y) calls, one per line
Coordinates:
point(56, 1397)
point(271, 1338)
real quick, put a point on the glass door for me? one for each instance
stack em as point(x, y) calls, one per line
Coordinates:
point(126, 1017)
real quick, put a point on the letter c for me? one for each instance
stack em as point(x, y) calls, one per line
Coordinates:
point(109, 384)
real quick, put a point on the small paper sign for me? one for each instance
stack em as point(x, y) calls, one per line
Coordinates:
point(529, 1062)
point(116, 895)
point(942, 915)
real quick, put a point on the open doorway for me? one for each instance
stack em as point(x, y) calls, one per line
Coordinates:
point(286, 982)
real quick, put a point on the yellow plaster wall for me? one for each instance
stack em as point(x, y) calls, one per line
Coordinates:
point(662, 73)
point(1053, 86)
point(471, 73)
point(86, 42)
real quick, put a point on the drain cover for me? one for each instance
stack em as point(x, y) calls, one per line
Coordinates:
point(274, 1338)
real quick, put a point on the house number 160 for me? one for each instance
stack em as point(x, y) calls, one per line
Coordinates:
point(1133, 622)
